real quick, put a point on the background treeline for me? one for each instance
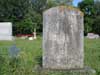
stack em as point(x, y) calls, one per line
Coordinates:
point(26, 15)
point(91, 9)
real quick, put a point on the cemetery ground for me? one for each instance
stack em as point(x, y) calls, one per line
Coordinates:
point(30, 57)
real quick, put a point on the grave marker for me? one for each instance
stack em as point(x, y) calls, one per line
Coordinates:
point(5, 31)
point(63, 38)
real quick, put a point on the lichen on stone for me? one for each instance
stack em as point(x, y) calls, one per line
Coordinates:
point(70, 8)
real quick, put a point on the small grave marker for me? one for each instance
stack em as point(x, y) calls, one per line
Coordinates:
point(13, 51)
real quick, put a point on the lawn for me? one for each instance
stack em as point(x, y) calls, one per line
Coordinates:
point(30, 57)
point(92, 54)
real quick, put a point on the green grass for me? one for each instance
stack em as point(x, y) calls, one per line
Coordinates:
point(30, 57)
point(92, 54)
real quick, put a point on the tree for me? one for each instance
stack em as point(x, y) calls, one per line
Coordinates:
point(15, 11)
point(87, 6)
point(91, 11)
point(96, 25)
point(39, 5)
point(12, 10)
point(26, 14)
point(59, 2)
point(64, 2)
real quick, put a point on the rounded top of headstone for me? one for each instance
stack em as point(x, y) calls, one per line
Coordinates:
point(69, 9)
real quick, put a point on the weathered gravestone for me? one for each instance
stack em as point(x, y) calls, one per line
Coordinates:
point(5, 31)
point(63, 38)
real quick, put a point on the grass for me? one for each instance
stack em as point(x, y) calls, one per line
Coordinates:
point(30, 56)
point(92, 54)
point(30, 53)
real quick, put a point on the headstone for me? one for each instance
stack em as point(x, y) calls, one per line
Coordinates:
point(92, 36)
point(13, 51)
point(6, 31)
point(31, 38)
point(97, 36)
point(63, 38)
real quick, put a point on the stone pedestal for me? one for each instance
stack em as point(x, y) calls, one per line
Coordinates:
point(84, 71)
point(34, 34)
point(63, 38)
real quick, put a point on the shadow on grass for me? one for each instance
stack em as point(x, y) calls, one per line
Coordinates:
point(39, 60)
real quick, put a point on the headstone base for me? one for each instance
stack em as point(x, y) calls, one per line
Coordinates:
point(84, 71)
point(6, 38)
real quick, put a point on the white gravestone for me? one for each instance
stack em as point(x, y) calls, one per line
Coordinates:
point(92, 36)
point(6, 31)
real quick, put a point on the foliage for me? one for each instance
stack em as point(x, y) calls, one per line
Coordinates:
point(23, 27)
point(91, 11)
point(13, 10)
point(96, 26)
point(26, 14)
point(63, 2)
point(52, 3)
point(87, 6)
point(39, 5)
point(21, 14)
